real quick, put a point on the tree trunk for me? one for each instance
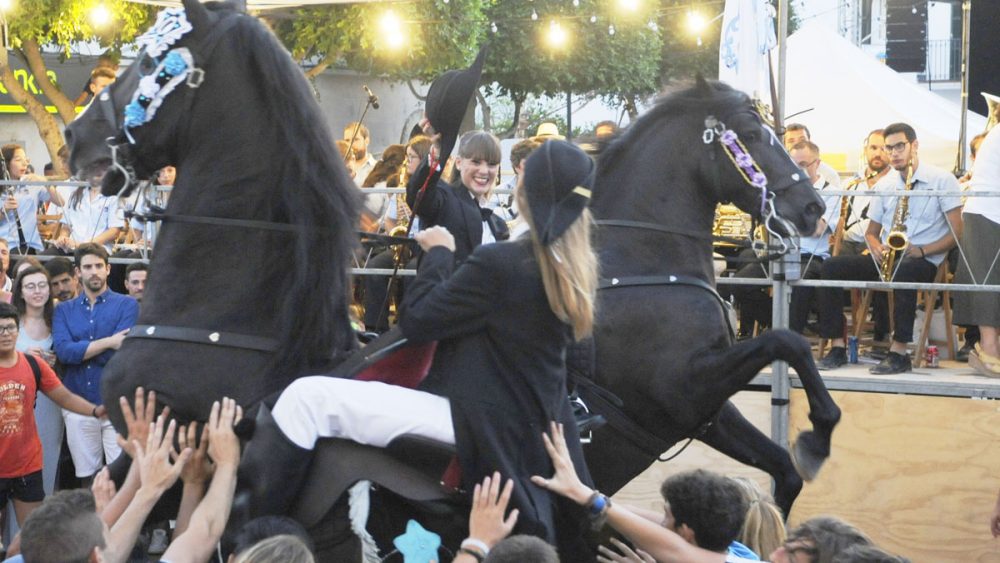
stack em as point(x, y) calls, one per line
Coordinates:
point(324, 64)
point(631, 108)
point(518, 103)
point(487, 112)
point(48, 127)
point(64, 106)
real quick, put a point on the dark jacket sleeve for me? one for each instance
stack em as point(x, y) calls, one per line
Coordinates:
point(440, 305)
point(433, 198)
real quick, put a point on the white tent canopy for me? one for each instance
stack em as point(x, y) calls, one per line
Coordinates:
point(851, 93)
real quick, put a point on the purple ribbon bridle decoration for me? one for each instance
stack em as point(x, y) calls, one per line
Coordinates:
point(738, 155)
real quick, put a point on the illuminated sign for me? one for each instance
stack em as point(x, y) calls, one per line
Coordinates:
point(70, 76)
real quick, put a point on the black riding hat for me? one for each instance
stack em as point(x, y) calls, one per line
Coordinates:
point(448, 99)
point(558, 177)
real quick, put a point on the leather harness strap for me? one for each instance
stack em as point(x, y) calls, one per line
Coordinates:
point(204, 336)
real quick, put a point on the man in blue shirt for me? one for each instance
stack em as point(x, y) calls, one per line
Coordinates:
point(86, 332)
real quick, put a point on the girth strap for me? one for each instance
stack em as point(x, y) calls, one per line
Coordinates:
point(204, 336)
point(668, 280)
point(652, 227)
point(606, 403)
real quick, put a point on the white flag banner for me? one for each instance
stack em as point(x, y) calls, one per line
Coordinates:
point(747, 37)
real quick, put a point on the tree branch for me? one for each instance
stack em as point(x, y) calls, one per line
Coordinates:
point(48, 129)
point(33, 56)
point(413, 90)
point(324, 64)
point(487, 112)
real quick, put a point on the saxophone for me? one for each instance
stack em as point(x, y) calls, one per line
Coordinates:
point(401, 229)
point(897, 240)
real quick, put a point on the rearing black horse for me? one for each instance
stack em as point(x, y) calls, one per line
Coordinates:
point(249, 285)
point(662, 341)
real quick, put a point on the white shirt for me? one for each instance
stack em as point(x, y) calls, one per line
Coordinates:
point(857, 222)
point(364, 168)
point(820, 246)
point(986, 177)
point(926, 221)
point(92, 216)
point(827, 172)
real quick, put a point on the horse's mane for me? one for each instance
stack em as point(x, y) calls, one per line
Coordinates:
point(317, 194)
point(705, 94)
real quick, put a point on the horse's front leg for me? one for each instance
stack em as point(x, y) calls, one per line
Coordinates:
point(736, 437)
point(732, 368)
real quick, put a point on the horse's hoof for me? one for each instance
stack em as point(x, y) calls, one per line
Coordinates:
point(807, 455)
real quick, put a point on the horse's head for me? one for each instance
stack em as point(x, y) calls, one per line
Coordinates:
point(747, 164)
point(135, 120)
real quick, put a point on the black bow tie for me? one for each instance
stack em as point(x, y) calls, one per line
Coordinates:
point(486, 212)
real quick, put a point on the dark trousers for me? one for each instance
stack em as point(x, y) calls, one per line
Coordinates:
point(377, 294)
point(755, 303)
point(862, 268)
point(880, 299)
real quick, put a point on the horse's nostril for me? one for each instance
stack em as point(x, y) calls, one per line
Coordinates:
point(814, 209)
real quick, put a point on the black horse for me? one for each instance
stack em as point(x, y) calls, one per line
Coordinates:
point(249, 285)
point(662, 341)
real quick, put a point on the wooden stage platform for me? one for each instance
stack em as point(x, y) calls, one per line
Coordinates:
point(915, 461)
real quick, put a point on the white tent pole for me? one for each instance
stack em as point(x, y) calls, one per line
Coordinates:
point(779, 308)
point(779, 109)
point(963, 128)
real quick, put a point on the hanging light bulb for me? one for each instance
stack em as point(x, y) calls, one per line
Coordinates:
point(593, 19)
point(611, 29)
point(652, 26)
point(699, 41)
point(493, 27)
point(534, 15)
point(576, 3)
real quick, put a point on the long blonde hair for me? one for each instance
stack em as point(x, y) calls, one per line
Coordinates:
point(764, 527)
point(284, 548)
point(569, 269)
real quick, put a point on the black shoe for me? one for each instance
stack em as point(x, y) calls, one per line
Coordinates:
point(963, 353)
point(892, 364)
point(836, 357)
point(272, 468)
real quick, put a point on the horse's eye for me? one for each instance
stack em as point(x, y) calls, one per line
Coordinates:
point(751, 137)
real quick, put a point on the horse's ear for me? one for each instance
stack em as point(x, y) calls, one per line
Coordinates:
point(702, 85)
point(196, 14)
point(238, 5)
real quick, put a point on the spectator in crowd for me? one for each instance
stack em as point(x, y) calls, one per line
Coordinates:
point(754, 301)
point(88, 215)
point(86, 332)
point(971, 337)
point(605, 130)
point(7, 285)
point(344, 148)
point(819, 540)
point(867, 554)
point(764, 527)
point(364, 160)
point(506, 205)
point(652, 537)
point(706, 509)
point(144, 232)
point(64, 279)
point(24, 262)
point(795, 133)
point(930, 223)
point(18, 223)
point(135, 279)
point(100, 78)
point(65, 528)
point(277, 549)
point(260, 529)
point(21, 378)
point(548, 131)
point(980, 241)
point(521, 549)
point(34, 304)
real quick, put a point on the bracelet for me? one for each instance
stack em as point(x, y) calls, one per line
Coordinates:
point(93, 412)
point(479, 556)
point(597, 508)
point(478, 544)
point(923, 253)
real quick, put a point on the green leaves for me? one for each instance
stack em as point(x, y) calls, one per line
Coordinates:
point(61, 22)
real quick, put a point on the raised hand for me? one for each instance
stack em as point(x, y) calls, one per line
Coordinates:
point(138, 421)
point(224, 446)
point(103, 489)
point(156, 472)
point(198, 469)
point(489, 504)
point(624, 554)
point(565, 481)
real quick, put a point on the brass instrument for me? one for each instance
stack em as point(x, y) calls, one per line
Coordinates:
point(401, 229)
point(897, 240)
point(837, 238)
point(732, 222)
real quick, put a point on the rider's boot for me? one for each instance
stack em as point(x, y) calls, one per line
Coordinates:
point(271, 470)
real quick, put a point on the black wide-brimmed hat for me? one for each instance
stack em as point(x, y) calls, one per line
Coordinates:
point(448, 99)
point(558, 177)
